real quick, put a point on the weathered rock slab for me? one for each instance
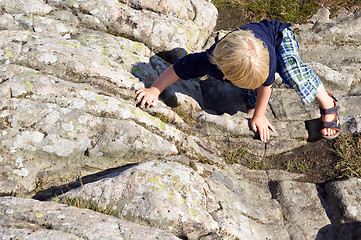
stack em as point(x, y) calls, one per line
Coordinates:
point(247, 210)
point(164, 195)
point(303, 210)
point(68, 73)
point(334, 43)
point(32, 219)
point(345, 198)
point(163, 26)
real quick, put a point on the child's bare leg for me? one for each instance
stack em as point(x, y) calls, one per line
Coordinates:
point(325, 102)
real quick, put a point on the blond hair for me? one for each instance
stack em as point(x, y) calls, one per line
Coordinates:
point(243, 59)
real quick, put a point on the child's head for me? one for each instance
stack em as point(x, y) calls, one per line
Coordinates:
point(243, 59)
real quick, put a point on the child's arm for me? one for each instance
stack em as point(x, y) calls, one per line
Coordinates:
point(150, 95)
point(259, 121)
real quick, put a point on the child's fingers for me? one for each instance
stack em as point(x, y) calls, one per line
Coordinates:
point(265, 134)
point(139, 91)
point(153, 103)
point(271, 127)
point(144, 101)
point(261, 136)
point(140, 94)
point(149, 103)
point(253, 126)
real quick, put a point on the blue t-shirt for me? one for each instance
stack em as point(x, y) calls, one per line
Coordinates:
point(198, 64)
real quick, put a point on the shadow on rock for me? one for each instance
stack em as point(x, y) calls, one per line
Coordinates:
point(313, 128)
point(173, 55)
point(222, 96)
point(47, 194)
point(211, 95)
point(347, 231)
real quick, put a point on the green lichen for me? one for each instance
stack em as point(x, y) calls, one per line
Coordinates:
point(101, 99)
point(132, 79)
point(74, 45)
point(176, 179)
point(9, 54)
point(136, 112)
point(121, 105)
point(161, 126)
point(154, 188)
point(189, 34)
point(107, 63)
point(162, 187)
point(169, 171)
point(84, 39)
point(29, 85)
point(29, 74)
point(194, 213)
point(138, 46)
point(122, 4)
point(171, 194)
point(155, 179)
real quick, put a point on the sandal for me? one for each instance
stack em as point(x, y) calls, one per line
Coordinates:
point(335, 123)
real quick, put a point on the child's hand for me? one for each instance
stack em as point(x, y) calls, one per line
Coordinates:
point(149, 97)
point(261, 124)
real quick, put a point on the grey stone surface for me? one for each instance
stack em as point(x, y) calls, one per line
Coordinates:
point(163, 25)
point(345, 198)
point(164, 195)
point(68, 73)
point(330, 39)
point(247, 210)
point(286, 105)
point(49, 220)
point(303, 210)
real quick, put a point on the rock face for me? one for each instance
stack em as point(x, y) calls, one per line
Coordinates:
point(163, 195)
point(327, 40)
point(69, 125)
point(32, 219)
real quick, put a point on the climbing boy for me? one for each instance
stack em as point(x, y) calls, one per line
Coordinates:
point(249, 57)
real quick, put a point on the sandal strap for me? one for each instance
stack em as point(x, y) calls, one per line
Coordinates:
point(330, 110)
point(333, 97)
point(335, 124)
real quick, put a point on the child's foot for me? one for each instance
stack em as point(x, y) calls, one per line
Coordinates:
point(328, 131)
point(330, 119)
